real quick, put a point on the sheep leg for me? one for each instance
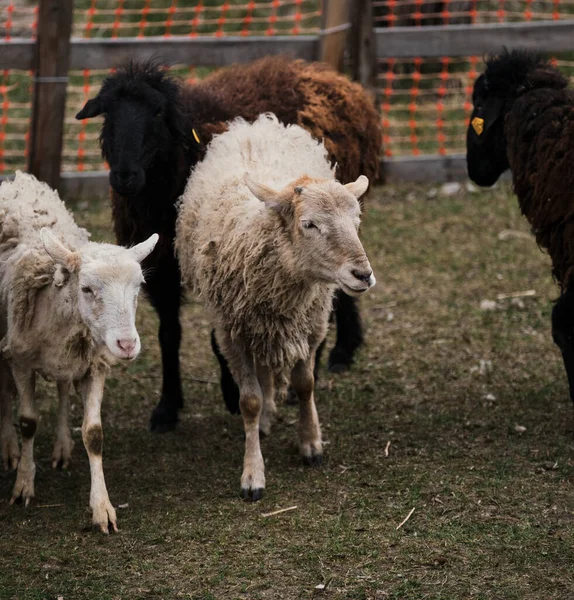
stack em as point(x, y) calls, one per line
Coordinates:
point(164, 291)
point(563, 334)
point(269, 408)
point(291, 395)
point(103, 513)
point(310, 444)
point(349, 332)
point(62, 452)
point(10, 447)
point(229, 388)
point(250, 401)
point(25, 381)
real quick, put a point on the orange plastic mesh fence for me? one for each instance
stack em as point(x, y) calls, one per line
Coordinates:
point(425, 103)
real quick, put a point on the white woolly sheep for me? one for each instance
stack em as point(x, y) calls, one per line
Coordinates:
point(67, 312)
point(266, 264)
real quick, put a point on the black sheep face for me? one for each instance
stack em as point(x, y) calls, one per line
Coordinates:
point(138, 104)
point(485, 139)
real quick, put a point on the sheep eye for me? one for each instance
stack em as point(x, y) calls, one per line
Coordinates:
point(308, 225)
point(87, 290)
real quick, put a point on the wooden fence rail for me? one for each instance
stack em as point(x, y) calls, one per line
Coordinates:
point(346, 24)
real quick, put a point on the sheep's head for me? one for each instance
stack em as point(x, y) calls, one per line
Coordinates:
point(322, 218)
point(142, 122)
point(485, 139)
point(108, 279)
point(508, 76)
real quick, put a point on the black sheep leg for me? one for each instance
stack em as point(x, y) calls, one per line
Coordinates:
point(349, 332)
point(164, 291)
point(229, 388)
point(563, 334)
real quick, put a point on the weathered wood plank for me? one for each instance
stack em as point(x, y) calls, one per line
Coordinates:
point(17, 54)
point(425, 169)
point(209, 51)
point(49, 101)
point(88, 185)
point(473, 40)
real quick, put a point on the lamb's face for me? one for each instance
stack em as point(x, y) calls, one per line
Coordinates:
point(108, 279)
point(326, 224)
point(107, 299)
point(324, 217)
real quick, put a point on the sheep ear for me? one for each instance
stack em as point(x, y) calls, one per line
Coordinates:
point(143, 249)
point(270, 197)
point(59, 253)
point(93, 108)
point(359, 187)
point(482, 119)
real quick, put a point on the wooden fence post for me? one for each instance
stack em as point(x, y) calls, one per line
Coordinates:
point(334, 27)
point(50, 82)
point(362, 45)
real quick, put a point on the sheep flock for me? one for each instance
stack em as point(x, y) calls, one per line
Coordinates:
point(246, 191)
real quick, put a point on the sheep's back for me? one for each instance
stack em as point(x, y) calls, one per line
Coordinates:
point(227, 242)
point(540, 148)
point(327, 104)
point(27, 205)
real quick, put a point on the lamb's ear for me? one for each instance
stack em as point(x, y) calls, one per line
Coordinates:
point(269, 197)
point(93, 108)
point(359, 187)
point(59, 253)
point(143, 249)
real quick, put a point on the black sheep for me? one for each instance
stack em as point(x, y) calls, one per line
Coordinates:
point(155, 131)
point(523, 119)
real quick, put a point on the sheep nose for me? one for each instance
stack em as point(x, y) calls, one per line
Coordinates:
point(126, 175)
point(362, 275)
point(127, 345)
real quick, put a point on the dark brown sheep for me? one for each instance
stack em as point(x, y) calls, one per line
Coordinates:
point(523, 119)
point(155, 130)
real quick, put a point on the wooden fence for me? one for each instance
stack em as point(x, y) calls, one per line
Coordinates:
point(346, 25)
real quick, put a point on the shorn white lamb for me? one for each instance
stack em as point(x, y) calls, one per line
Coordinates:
point(265, 234)
point(67, 312)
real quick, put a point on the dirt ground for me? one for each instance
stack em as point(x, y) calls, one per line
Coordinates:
point(454, 415)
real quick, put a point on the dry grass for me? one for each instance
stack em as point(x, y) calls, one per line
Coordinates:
point(493, 503)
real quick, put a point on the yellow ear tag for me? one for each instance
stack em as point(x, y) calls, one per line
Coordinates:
point(196, 137)
point(478, 125)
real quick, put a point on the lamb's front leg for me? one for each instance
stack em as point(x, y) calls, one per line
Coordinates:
point(269, 408)
point(310, 444)
point(103, 513)
point(8, 437)
point(25, 381)
point(62, 453)
point(250, 402)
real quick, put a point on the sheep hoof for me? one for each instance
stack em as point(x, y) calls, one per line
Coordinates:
point(104, 517)
point(339, 361)
point(315, 460)
point(338, 368)
point(23, 491)
point(252, 494)
point(162, 420)
point(62, 453)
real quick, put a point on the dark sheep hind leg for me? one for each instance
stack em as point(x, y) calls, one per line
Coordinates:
point(229, 388)
point(164, 292)
point(291, 395)
point(349, 332)
point(563, 334)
